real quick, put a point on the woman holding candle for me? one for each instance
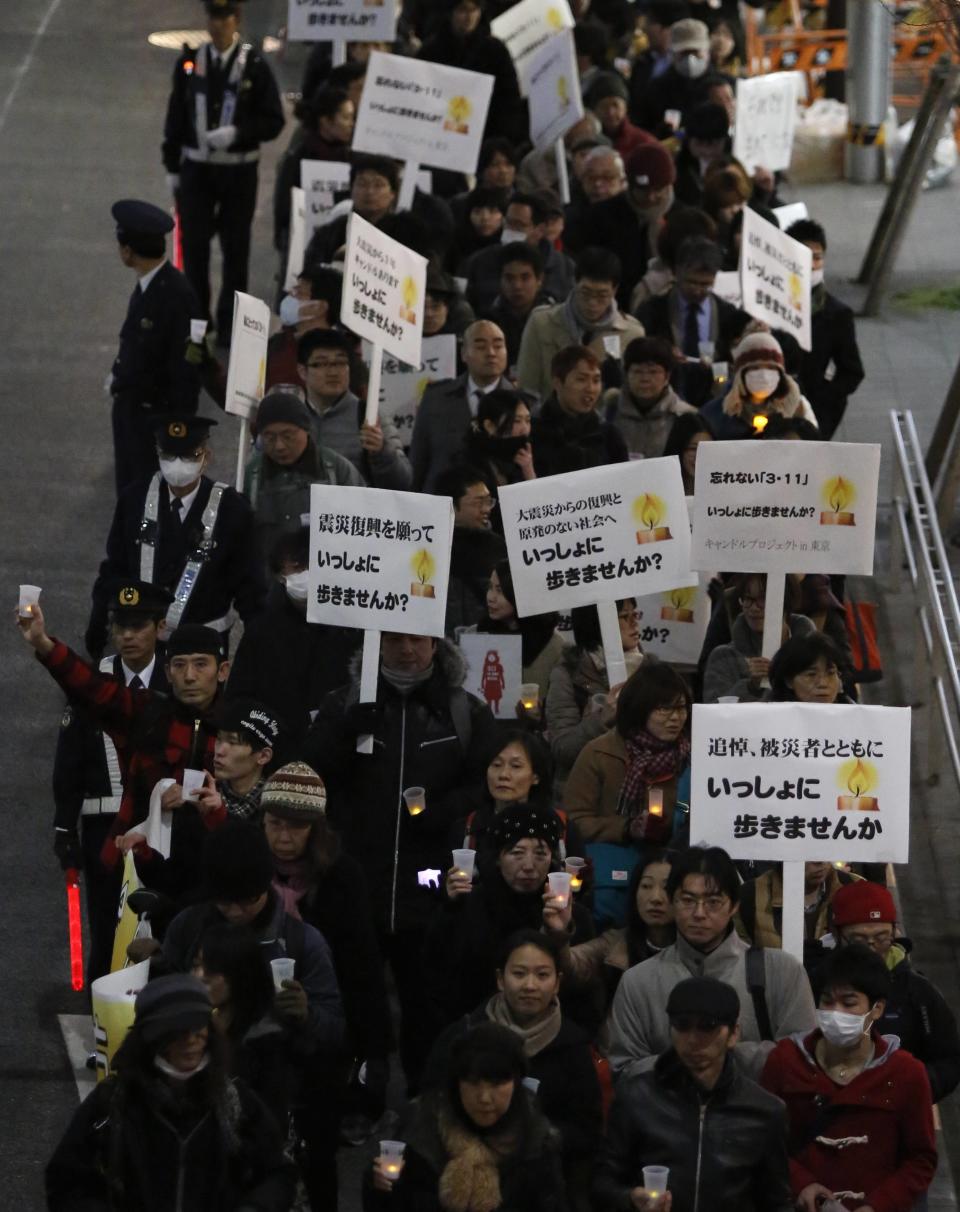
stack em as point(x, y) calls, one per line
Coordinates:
point(631, 785)
point(859, 1108)
point(760, 388)
point(477, 1143)
point(738, 669)
point(575, 713)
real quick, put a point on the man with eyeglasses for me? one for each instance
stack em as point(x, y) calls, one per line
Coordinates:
point(476, 549)
point(723, 1138)
point(774, 992)
point(325, 360)
point(916, 1010)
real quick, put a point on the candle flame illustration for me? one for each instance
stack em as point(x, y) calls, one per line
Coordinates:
point(563, 91)
point(459, 109)
point(839, 493)
point(760, 422)
point(681, 599)
point(857, 776)
point(554, 20)
point(409, 289)
point(422, 385)
point(423, 565)
point(793, 283)
point(649, 510)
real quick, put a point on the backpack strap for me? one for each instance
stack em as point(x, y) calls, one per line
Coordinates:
point(461, 718)
point(757, 985)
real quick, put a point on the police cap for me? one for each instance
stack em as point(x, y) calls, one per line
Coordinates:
point(181, 434)
point(222, 8)
point(128, 599)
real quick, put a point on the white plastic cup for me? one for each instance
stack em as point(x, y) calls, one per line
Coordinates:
point(464, 861)
point(391, 1157)
point(560, 882)
point(728, 698)
point(193, 780)
point(198, 330)
point(530, 695)
point(29, 597)
point(415, 799)
point(655, 1180)
point(282, 969)
point(707, 349)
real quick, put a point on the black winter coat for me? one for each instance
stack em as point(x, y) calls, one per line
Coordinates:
point(725, 1150)
point(834, 341)
point(562, 442)
point(417, 743)
point(136, 1158)
point(918, 1013)
point(481, 52)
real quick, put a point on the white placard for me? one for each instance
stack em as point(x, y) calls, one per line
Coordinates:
point(494, 670)
point(383, 290)
point(766, 118)
point(673, 624)
point(379, 560)
point(555, 101)
point(792, 213)
point(422, 112)
point(526, 26)
point(321, 180)
point(785, 506)
point(802, 781)
point(726, 286)
point(297, 245)
point(341, 20)
point(402, 386)
point(597, 535)
point(775, 277)
point(246, 370)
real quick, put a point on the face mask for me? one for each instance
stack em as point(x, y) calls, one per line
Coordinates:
point(816, 277)
point(841, 1029)
point(179, 472)
point(762, 382)
point(509, 236)
point(691, 66)
point(289, 311)
point(296, 583)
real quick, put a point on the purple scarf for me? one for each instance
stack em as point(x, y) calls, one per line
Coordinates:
point(291, 883)
point(649, 761)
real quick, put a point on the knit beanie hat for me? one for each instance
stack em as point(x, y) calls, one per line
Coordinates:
point(251, 719)
point(295, 793)
point(862, 901)
point(758, 349)
point(237, 863)
point(170, 1004)
point(650, 166)
point(283, 407)
point(192, 638)
point(705, 997)
point(606, 84)
point(515, 824)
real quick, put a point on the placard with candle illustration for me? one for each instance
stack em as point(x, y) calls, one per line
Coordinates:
point(596, 535)
point(321, 181)
point(379, 560)
point(525, 27)
point(775, 277)
point(494, 670)
point(402, 386)
point(802, 781)
point(673, 623)
point(555, 101)
point(785, 506)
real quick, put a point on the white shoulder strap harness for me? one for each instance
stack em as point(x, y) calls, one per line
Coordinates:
point(231, 88)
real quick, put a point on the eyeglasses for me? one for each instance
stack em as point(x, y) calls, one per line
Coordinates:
point(485, 500)
point(339, 364)
point(280, 439)
point(751, 603)
point(629, 616)
point(665, 713)
point(595, 296)
point(712, 904)
point(878, 942)
point(703, 1024)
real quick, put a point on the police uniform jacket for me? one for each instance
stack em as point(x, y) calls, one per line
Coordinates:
point(258, 116)
point(152, 366)
point(231, 575)
point(80, 767)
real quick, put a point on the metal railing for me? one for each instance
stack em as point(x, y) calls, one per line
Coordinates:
point(917, 543)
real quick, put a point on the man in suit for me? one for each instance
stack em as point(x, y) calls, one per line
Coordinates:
point(448, 407)
point(187, 534)
point(692, 318)
point(89, 771)
point(157, 367)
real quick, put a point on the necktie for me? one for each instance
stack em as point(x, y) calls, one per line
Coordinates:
point(691, 332)
point(176, 510)
point(135, 683)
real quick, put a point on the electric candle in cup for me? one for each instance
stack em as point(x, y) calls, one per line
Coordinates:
point(655, 1180)
point(530, 696)
point(282, 968)
point(464, 861)
point(655, 801)
point(416, 800)
point(575, 867)
point(29, 598)
point(391, 1158)
point(560, 883)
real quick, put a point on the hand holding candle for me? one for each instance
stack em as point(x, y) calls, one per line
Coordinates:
point(655, 801)
point(388, 1165)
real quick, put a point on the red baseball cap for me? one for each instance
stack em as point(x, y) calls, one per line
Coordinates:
point(862, 901)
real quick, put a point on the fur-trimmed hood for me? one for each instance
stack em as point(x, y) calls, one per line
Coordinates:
point(787, 401)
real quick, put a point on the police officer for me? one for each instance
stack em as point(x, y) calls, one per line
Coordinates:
point(224, 104)
point(186, 533)
point(157, 368)
point(89, 771)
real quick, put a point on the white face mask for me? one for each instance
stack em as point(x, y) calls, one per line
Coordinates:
point(841, 1029)
point(691, 66)
point(816, 277)
point(289, 311)
point(509, 236)
point(296, 583)
point(762, 382)
point(180, 472)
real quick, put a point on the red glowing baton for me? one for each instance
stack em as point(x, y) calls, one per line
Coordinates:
point(76, 932)
point(177, 239)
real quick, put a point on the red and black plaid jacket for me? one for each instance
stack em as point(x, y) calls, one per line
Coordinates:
point(156, 737)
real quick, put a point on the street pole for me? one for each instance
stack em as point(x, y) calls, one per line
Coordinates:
point(870, 38)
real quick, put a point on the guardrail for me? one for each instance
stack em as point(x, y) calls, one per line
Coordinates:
point(917, 544)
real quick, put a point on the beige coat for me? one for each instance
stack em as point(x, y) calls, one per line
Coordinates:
point(547, 333)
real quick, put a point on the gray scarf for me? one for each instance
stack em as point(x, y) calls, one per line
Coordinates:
point(404, 682)
point(577, 325)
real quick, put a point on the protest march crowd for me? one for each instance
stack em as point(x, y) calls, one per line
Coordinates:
point(492, 851)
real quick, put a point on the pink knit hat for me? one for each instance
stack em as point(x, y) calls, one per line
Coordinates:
point(758, 349)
